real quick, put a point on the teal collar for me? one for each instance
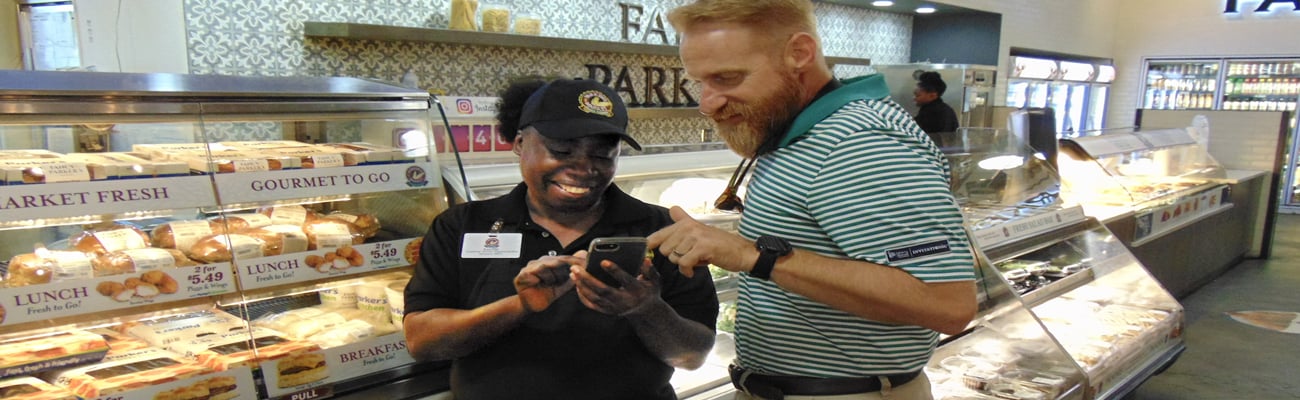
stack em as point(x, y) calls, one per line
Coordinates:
point(870, 87)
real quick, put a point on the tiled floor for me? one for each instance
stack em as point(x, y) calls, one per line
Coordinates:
point(1226, 359)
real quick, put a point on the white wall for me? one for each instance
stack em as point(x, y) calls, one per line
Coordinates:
point(132, 35)
point(1192, 28)
point(1080, 27)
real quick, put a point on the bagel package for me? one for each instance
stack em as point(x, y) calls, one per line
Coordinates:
point(107, 239)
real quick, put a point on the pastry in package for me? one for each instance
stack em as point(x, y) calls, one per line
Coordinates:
point(31, 388)
point(45, 266)
point(162, 332)
point(147, 368)
point(237, 350)
point(30, 355)
point(301, 369)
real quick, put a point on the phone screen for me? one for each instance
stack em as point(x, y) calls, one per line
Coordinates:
point(626, 252)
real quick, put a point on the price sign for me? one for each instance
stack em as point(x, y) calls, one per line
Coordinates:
point(323, 263)
point(113, 292)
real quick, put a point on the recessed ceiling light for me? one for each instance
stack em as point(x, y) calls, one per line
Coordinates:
point(925, 10)
point(882, 3)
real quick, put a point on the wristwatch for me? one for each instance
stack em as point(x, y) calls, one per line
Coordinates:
point(770, 248)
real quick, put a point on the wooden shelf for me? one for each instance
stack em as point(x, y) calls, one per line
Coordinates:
point(345, 30)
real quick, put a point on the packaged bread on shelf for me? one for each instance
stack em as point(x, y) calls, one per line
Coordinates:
point(330, 233)
point(316, 156)
point(282, 239)
point(140, 260)
point(367, 223)
point(143, 369)
point(163, 332)
point(45, 170)
point(240, 221)
point(288, 214)
point(282, 321)
point(22, 356)
point(226, 247)
point(32, 388)
point(234, 161)
point(348, 332)
point(28, 154)
point(45, 266)
point(105, 239)
point(125, 165)
point(174, 151)
point(120, 343)
point(373, 153)
point(181, 235)
point(233, 351)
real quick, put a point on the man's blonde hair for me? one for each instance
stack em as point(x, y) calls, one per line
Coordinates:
point(780, 18)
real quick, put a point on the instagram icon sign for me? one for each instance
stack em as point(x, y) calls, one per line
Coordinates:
point(464, 106)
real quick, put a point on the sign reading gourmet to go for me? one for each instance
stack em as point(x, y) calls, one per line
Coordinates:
point(300, 183)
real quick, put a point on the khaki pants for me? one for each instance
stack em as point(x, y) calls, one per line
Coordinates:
point(917, 389)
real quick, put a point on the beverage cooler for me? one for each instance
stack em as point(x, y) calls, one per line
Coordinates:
point(183, 236)
point(1232, 84)
point(970, 89)
point(1075, 91)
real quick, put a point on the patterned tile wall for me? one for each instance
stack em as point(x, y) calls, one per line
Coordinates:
point(264, 38)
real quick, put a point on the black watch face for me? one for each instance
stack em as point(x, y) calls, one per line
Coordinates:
point(773, 244)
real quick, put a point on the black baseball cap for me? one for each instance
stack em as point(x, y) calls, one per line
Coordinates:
point(574, 108)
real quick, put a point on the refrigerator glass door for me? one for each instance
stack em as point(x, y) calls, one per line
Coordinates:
point(1076, 109)
point(1058, 100)
point(1261, 85)
point(1017, 94)
point(1037, 94)
point(1096, 107)
point(1181, 85)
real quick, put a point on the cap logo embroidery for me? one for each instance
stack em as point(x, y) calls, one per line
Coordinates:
point(595, 102)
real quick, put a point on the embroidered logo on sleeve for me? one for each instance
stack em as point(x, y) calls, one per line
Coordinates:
point(918, 251)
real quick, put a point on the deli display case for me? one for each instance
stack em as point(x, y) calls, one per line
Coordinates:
point(1066, 311)
point(1166, 198)
point(184, 236)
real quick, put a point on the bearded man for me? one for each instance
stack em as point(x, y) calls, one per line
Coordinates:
point(851, 247)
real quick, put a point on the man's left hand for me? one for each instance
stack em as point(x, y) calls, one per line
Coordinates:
point(636, 293)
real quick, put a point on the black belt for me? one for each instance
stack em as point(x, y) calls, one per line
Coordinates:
point(776, 387)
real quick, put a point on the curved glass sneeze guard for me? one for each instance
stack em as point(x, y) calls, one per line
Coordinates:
point(996, 178)
point(1130, 167)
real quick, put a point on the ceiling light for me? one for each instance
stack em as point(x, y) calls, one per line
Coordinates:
point(925, 10)
point(882, 3)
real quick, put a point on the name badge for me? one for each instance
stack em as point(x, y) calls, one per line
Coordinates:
point(492, 245)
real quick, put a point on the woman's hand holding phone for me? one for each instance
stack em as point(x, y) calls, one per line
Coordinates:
point(618, 278)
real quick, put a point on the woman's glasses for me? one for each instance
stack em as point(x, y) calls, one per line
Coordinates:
point(730, 200)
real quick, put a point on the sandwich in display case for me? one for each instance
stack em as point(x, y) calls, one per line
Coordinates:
point(180, 236)
point(1066, 311)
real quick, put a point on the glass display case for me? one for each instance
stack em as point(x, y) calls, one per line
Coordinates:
point(1066, 311)
point(1164, 176)
point(166, 235)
